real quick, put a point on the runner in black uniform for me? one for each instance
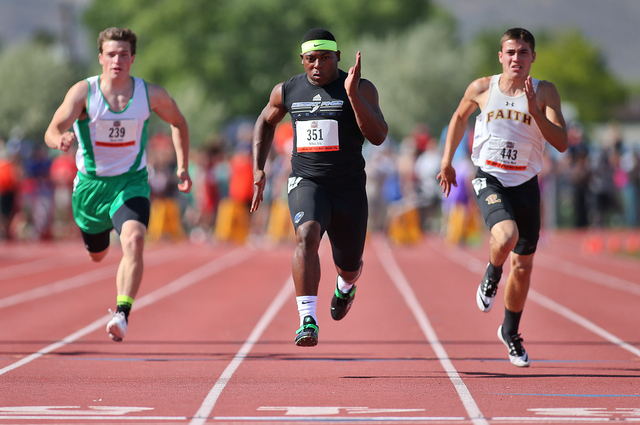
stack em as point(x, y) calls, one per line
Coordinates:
point(332, 113)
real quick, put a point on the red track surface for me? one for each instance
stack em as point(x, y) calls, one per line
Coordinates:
point(211, 339)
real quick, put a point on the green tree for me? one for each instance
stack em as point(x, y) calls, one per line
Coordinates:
point(575, 65)
point(420, 74)
point(230, 53)
point(35, 77)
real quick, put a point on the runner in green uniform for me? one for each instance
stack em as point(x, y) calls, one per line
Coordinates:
point(109, 114)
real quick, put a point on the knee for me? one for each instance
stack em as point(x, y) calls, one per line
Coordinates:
point(308, 236)
point(132, 240)
point(522, 270)
point(505, 235)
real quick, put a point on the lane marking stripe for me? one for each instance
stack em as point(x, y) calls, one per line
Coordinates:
point(105, 272)
point(209, 402)
point(395, 273)
point(475, 266)
point(213, 267)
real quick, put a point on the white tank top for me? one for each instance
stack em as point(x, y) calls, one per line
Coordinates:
point(507, 142)
point(113, 143)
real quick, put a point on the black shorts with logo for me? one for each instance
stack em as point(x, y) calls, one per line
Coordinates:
point(341, 211)
point(518, 203)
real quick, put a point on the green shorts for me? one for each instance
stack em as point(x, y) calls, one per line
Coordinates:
point(96, 199)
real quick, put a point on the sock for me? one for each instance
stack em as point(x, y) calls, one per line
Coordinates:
point(343, 286)
point(495, 272)
point(124, 304)
point(511, 322)
point(307, 307)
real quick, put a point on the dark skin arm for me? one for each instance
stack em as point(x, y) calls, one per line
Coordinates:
point(263, 133)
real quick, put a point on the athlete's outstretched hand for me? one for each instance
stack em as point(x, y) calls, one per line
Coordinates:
point(352, 83)
point(259, 181)
point(447, 177)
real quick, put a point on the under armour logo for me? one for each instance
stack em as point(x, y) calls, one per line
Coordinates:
point(512, 103)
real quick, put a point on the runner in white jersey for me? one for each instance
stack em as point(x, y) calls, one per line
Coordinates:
point(109, 114)
point(519, 115)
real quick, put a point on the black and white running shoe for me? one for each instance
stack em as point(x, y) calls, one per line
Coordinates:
point(517, 355)
point(486, 292)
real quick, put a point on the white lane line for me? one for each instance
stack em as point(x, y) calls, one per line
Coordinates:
point(585, 323)
point(395, 273)
point(105, 272)
point(40, 265)
point(209, 402)
point(214, 266)
point(588, 274)
point(475, 266)
point(340, 419)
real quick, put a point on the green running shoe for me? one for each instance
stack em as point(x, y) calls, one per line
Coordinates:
point(307, 335)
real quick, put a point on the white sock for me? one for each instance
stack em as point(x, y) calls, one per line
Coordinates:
point(307, 307)
point(343, 286)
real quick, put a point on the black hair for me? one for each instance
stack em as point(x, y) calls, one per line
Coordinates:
point(318, 34)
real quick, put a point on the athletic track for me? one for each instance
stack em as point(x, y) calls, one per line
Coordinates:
point(210, 339)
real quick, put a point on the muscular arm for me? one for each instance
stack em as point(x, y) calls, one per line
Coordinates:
point(72, 108)
point(263, 133)
point(474, 96)
point(165, 107)
point(364, 100)
point(544, 107)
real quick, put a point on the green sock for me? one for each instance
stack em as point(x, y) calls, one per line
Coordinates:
point(124, 304)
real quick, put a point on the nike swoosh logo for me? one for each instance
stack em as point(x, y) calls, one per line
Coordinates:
point(306, 302)
point(317, 45)
point(484, 304)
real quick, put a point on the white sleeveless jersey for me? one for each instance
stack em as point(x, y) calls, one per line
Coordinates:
point(113, 143)
point(507, 142)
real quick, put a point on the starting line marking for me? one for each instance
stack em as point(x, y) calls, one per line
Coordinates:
point(68, 413)
point(332, 410)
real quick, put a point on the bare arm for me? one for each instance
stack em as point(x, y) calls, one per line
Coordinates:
point(263, 133)
point(72, 108)
point(473, 97)
point(364, 100)
point(544, 107)
point(165, 107)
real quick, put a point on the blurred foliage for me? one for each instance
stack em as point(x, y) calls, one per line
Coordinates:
point(35, 77)
point(422, 77)
point(230, 53)
point(575, 65)
point(220, 59)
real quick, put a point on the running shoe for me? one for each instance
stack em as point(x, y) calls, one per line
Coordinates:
point(486, 292)
point(117, 326)
point(341, 302)
point(517, 355)
point(307, 335)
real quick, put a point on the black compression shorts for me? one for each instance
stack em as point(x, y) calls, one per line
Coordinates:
point(518, 203)
point(137, 209)
point(342, 213)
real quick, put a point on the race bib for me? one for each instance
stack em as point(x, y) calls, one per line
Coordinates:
point(116, 133)
point(507, 154)
point(317, 136)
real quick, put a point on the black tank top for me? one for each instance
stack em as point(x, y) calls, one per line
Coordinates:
point(308, 104)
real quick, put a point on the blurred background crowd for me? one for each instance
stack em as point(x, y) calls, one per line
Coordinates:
point(594, 184)
point(222, 65)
